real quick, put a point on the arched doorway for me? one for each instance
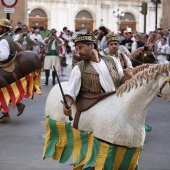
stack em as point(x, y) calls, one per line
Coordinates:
point(84, 21)
point(127, 21)
point(37, 19)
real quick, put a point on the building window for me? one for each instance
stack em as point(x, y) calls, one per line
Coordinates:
point(128, 17)
point(37, 13)
point(83, 15)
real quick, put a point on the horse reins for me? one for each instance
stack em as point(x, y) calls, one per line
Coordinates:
point(136, 60)
point(145, 57)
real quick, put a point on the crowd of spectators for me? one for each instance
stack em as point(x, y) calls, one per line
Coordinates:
point(158, 41)
point(33, 39)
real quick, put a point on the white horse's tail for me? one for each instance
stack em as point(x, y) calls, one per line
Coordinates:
point(62, 141)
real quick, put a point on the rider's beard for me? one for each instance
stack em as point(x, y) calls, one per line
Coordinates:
point(86, 56)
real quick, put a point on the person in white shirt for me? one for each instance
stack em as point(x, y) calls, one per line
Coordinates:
point(6, 41)
point(38, 38)
point(162, 51)
point(113, 51)
point(95, 74)
point(66, 37)
point(159, 35)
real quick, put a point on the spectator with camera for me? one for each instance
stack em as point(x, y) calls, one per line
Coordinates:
point(24, 39)
point(52, 55)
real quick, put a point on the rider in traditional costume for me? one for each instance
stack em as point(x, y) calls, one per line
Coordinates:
point(7, 51)
point(94, 75)
point(113, 51)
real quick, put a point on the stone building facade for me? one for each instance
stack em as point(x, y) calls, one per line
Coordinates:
point(165, 22)
point(90, 14)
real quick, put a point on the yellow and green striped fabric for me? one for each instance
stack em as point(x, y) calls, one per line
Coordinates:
point(62, 141)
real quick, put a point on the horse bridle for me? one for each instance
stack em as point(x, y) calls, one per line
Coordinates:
point(167, 80)
point(145, 57)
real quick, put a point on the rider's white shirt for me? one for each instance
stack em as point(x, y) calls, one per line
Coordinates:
point(74, 82)
point(129, 63)
point(4, 50)
point(117, 59)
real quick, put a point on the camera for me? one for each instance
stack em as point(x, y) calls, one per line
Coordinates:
point(24, 34)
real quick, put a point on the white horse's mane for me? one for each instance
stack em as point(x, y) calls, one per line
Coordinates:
point(148, 74)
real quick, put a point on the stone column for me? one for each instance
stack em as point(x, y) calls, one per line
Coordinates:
point(165, 23)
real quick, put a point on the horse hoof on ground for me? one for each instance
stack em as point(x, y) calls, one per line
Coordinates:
point(20, 109)
point(4, 119)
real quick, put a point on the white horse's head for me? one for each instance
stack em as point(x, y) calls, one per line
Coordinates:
point(156, 79)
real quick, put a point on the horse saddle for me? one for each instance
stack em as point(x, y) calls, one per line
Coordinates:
point(85, 101)
point(8, 65)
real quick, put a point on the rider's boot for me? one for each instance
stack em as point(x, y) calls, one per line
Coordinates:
point(4, 118)
point(47, 74)
point(20, 107)
point(53, 75)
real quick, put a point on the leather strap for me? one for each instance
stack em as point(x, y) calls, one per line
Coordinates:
point(9, 67)
point(76, 119)
point(6, 64)
point(85, 101)
point(163, 85)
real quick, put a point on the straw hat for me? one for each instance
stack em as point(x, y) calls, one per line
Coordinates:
point(5, 23)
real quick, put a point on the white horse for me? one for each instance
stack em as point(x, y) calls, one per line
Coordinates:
point(118, 119)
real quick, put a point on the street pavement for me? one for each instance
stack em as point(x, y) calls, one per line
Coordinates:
point(21, 140)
